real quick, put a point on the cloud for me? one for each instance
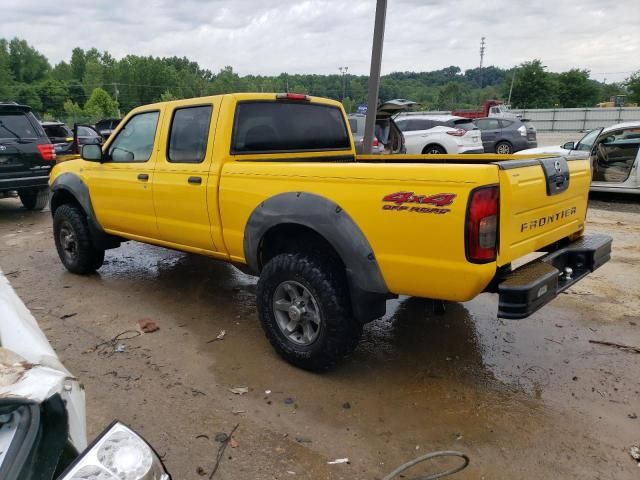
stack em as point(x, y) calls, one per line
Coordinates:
point(317, 36)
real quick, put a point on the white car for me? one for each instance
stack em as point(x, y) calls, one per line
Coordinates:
point(614, 152)
point(439, 134)
point(42, 413)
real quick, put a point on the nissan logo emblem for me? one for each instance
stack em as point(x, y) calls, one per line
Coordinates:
point(557, 165)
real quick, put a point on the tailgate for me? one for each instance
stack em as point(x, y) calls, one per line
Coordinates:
point(541, 201)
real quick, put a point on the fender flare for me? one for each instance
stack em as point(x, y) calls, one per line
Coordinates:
point(328, 219)
point(73, 185)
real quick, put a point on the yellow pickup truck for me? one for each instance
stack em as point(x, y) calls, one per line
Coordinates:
point(272, 183)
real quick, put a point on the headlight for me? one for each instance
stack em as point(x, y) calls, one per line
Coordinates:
point(118, 454)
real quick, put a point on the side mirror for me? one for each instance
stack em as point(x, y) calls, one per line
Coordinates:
point(569, 146)
point(91, 153)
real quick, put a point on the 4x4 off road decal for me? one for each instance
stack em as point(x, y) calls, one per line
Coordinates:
point(398, 200)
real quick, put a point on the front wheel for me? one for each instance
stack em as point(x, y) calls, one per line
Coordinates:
point(504, 148)
point(303, 304)
point(34, 199)
point(73, 241)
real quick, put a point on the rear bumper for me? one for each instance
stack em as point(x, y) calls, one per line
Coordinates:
point(23, 182)
point(535, 284)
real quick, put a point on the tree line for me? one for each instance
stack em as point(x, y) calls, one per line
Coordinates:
point(93, 85)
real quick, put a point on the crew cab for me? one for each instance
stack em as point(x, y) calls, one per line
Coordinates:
point(272, 183)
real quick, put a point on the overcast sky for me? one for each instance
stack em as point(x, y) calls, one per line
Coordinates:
point(297, 36)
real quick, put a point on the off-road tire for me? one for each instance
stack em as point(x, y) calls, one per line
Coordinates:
point(326, 281)
point(85, 258)
point(35, 199)
point(506, 147)
point(434, 150)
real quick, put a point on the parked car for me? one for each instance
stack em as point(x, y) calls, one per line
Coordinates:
point(43, 413)
point(439, 134)
point(356, 124)
point(614, 153)
point(272, 183)
point(387, 136)
point(63, 137)
point(26, 156)
point(106, 126)
point(506, 136)
point(581, 148)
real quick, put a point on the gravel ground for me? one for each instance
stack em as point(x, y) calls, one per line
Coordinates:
point(524, 399)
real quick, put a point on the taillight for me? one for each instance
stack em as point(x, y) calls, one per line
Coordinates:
point(47, 151)
point(482, 225)
point(458, 132)
point(375, 142)
point(523, 130)
point(292, 96)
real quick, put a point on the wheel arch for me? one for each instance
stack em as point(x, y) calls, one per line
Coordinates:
point(68, 188)
point(298, 212)
point(434, 144)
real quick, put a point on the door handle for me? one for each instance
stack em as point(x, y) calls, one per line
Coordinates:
point(143, 177)
point(195, 180)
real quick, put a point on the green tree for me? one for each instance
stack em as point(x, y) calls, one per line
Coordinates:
point(6, 77)
point(100, 105)
point(26, 63)
point(93, 76)
point(451, 96)
point(73, 111)
point(533, 86)
point(53, 95)
point(167, 96)
point(633, 85)
point(78, 62)
point(575, 89)
point(28, 95)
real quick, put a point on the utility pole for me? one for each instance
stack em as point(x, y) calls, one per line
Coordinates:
point(116, 94)
point(481, 58)
point(343, 71)
point(374, 75)
point(513, 77)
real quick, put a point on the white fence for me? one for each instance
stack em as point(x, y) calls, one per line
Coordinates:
point(577, 119)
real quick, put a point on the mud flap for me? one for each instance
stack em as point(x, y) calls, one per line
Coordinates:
point(535, 284)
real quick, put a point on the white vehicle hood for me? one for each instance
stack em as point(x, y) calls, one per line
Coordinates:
point(29, 367)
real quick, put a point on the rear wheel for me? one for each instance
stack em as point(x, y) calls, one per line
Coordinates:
point(434, 150)
point(504, 148)
point(34, 198)
point(73, 241)
point(303, 304)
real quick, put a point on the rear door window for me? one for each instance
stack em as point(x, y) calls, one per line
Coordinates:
point(488, 124)
point(17, 126)
point(57, 131)
point(279, 126)
point(189, 134)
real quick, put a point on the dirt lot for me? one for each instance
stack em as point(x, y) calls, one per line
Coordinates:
point(524, 399)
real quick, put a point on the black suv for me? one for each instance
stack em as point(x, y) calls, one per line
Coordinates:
point(26, 156)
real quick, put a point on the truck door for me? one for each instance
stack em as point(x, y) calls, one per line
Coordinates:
point(120, 186)
point(181, 182)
